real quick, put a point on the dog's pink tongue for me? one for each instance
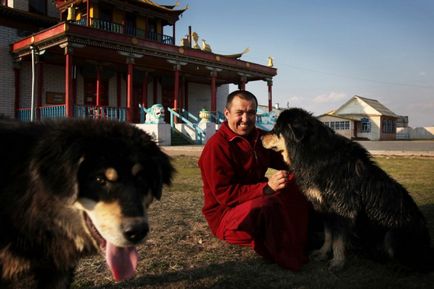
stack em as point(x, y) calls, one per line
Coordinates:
point(121, 261)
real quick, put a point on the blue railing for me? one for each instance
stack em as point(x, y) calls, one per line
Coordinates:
point(189, 116)
point(99, 112)
point(23, 114)
point(80, 111)
point(52, 112)
point(41, 113)
point(217, 117)
point(199, 133)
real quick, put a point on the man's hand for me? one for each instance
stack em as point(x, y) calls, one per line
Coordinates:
point(278, 181)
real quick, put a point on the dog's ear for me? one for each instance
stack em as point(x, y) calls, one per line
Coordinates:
point(298, 130)
point(157, 164)
point(55, 167)
point(163, 173)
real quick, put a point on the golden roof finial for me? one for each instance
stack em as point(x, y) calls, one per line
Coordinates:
point(270, 62)
point(195, 37)
point(205, 46)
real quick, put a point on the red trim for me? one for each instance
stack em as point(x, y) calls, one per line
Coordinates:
point(38, 37)
point(71, 30)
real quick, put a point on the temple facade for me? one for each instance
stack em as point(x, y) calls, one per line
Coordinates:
point(110, 58)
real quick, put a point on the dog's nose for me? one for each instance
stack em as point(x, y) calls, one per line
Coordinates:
point(135, 229)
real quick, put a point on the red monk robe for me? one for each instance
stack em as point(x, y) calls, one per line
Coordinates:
point(238, 210)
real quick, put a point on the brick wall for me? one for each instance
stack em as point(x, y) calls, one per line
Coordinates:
point(7, 77)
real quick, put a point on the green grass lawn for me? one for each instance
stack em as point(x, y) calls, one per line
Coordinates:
point(180, 252)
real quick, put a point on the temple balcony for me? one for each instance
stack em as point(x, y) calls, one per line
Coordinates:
point(126, 29)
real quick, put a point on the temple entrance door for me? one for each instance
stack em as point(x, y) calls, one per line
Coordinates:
point(90, 92)
point(137, 96)
point(167, 101)
point(167, 96)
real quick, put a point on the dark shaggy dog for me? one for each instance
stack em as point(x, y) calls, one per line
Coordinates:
point(70, 188)
point(353, 194)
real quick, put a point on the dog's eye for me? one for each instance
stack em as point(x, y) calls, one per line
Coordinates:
point(100, 180)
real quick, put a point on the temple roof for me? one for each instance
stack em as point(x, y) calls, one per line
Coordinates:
point(17, 18)
point(164, 7)
point(63, 4)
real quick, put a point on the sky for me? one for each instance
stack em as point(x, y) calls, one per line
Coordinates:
point(327, 51)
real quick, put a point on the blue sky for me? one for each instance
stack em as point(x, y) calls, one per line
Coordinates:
point(327, 51)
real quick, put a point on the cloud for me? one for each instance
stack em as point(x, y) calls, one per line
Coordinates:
point(332, 97)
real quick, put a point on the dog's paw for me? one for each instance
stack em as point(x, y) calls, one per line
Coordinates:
point(318, 255)
point(336, 265)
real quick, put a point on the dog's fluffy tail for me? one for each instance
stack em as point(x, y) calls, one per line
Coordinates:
point(412, 249)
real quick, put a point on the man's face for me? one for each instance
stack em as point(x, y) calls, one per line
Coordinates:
point(241, 115)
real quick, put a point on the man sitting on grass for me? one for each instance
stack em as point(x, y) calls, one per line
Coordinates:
point(241, 205)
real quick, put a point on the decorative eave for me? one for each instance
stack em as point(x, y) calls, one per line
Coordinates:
point(79, 36)
point(166, 8)
point(149, 8)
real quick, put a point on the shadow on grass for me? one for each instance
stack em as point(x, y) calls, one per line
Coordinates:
point(231, 274)
point(359, 273)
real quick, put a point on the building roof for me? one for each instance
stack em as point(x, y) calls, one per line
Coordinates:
point(164, 7)
point(335, 116)
point(64, 4)
point(20, 19)
point(363, 106)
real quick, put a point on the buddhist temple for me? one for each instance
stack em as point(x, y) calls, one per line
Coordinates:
point(110, 58)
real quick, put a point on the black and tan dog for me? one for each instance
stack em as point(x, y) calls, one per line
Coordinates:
point(71, 188)
point(352, 193)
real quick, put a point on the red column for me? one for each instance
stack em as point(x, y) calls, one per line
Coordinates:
point(270, 95)
point(68, 82)
point(213, 92)
point(130, 90)
point(98, 86)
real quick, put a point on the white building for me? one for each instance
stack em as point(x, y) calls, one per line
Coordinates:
point(362, 118)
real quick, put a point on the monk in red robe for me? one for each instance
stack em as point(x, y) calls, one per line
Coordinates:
point(241, 205)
